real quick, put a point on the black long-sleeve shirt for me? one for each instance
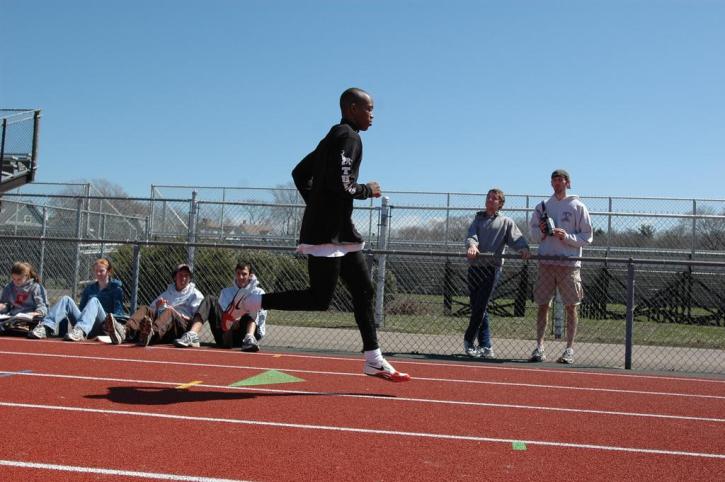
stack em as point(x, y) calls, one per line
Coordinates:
point(327, 180)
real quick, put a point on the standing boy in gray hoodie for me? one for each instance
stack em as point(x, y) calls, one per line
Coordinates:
point(490, 233)
point(572, 229)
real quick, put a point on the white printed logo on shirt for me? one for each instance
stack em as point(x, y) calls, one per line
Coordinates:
point(346, 168)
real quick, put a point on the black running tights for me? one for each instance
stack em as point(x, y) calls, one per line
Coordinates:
point(324, 273)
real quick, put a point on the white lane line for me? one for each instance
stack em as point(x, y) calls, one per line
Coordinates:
point(329, 373)
point(396, 433)
point(482, 366)
point(121, 473)
point(406, 361)
point(381, 397)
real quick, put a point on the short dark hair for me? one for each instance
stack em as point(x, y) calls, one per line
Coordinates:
point(351, 96)
point(500, 194)
point(241, 264)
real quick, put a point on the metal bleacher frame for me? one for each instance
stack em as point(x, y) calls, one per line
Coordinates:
point(18, 168)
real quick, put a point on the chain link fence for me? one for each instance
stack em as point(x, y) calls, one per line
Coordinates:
point(675, 275)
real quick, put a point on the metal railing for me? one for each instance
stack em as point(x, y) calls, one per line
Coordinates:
point(661, 228)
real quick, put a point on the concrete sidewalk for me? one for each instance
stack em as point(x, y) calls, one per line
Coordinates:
point(590, 355)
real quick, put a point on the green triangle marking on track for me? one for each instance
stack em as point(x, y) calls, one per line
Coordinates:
point(519, 446)
point(269, 377)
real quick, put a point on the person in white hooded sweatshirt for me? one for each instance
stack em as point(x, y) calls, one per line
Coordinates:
point(166, 318)
point(570, 231)
point(228, 330)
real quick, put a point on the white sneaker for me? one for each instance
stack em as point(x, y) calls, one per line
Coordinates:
point(384, 370)
point(250, 344)
point(486, 352)
point(188, 339)
point(76, 334)
point(537, 355)
point(39, 332)
point(567, 357)
point(470, 350)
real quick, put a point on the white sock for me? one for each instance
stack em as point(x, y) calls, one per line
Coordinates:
point(374, 356)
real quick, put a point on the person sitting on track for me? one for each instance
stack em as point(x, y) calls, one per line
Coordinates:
point(23, 295)
point(165, 318)
point(98, 299)
point(227, 331)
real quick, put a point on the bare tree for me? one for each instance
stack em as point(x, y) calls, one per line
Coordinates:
point(288, 217)
point(710, 231)
point(436, 229)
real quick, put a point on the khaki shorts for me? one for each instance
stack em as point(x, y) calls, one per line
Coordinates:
point(566, 278)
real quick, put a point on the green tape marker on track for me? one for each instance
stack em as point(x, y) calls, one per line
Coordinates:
point(519, 446)
point(269, 377)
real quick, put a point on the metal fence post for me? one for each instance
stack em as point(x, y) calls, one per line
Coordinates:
point(629, 324)
point(370, 220)
point(380, 273)
point(221, 214)
point(192, 228)
point(36, 133)
point(694, 227)
point(136, 267)
point(43, 232)
point(2, 143)
point(88, 209)
point(448, 218)
point(164, 208)
point(103, 235)
point(152, 205)
point(17, 218)
point(77, 261)
point(609, 227)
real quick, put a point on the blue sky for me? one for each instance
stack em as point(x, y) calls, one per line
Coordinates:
point(626, 95)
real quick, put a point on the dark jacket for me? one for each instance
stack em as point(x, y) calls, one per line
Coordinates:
point(327, 180)
point(110, 297)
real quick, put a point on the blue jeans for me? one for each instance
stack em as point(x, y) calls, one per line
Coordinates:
point(482, 282)
point(92, 315)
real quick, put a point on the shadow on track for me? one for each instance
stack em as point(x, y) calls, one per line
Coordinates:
point(167, 396)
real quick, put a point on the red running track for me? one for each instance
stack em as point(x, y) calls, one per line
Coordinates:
point(97, 412)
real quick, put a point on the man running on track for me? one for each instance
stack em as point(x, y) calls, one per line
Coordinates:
point(327, 181)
